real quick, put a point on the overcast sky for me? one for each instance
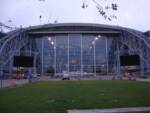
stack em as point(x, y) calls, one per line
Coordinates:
point(132, 13)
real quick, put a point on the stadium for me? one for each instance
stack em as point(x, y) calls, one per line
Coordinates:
point(74, 50)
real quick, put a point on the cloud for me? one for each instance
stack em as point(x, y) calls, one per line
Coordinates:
point(132, 13)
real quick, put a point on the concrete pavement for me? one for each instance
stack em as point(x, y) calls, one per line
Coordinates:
point(119, 110)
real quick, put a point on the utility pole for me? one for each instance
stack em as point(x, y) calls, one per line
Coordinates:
point(40, 17)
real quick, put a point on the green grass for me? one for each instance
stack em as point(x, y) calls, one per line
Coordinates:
point(59, 96)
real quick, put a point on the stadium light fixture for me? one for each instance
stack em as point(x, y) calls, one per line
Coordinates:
point(99, 36)
point(49, 38)
point(52, 43)
point(96, 38)
point(93, 42)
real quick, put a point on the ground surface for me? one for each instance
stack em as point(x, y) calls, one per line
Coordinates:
point(116, 110)
point(59, 96)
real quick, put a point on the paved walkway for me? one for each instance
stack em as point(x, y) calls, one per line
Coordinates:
point(143, 80)
point(12, 82)
point(119, 110)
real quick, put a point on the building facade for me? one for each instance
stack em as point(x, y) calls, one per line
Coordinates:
point(77, 49)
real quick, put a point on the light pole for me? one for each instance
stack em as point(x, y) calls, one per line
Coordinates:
point(53, 43)
point(81, 55)
point(42, 56)
point(106, 55)
point(68, 54)
point(40, 17)
point(94, 43)
point(94, 58)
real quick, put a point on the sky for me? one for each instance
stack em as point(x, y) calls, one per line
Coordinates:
point(131, 13)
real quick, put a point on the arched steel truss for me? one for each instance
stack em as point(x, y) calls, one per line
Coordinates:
point(136, 43)
point(16, 40)
point(10, 44)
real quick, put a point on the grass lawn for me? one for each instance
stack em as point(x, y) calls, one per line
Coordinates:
point(58, 96)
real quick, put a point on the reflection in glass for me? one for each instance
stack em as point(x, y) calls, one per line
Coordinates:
point(88, 54)
point(49, 55)
point(100, 56)
point(61, 53)
point(75, 54)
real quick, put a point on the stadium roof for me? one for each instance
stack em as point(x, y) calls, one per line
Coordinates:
point(79, 28)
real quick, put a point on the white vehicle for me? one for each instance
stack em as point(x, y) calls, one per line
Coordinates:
point(65, 75)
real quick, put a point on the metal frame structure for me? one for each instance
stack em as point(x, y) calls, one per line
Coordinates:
point(136, 41)
point(9, 45)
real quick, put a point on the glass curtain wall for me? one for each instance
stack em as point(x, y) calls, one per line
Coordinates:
point(88, 55)
point(75, 54)
point(47, 55)
point(61, 54)
point(111, 56)
point(100, 55)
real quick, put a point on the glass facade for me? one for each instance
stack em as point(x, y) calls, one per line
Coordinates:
point(88, 55)
point(77, 50)
point(75, 54)
point(61, 53)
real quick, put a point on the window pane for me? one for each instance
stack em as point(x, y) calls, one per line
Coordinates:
point(75, 54)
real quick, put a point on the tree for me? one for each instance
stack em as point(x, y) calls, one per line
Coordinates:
point(103, 9)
